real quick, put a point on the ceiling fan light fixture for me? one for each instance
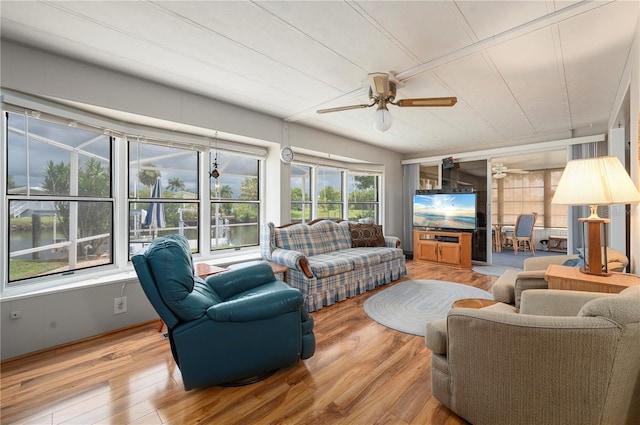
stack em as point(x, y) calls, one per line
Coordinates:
point(382, 120)
point(500, 175)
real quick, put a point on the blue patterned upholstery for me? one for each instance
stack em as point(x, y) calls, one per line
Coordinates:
point(338, 271)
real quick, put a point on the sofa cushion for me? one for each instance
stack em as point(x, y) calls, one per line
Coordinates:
point(366, 235)
point(320, 238)
point(389, 254)
point(362, 257)
point(187, 296)
point(298, 237)
point(330, 264)
point(331, 236)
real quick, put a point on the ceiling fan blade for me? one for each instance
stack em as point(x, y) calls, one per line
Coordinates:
point(428, 101)
point(344, 108)
point(379, 83)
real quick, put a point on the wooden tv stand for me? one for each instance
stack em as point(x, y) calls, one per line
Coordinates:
point(446, 248)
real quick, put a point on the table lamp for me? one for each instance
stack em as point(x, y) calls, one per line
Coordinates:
point(593, 182)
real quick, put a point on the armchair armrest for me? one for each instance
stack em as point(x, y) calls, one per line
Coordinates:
point(392, 241)
point(542, 263)
point(293, 259)
point(552, 302)
point(526, 280)
point(257, 306)
point(233, 282)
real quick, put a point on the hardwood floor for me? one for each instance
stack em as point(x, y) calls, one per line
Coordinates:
point(361, 373)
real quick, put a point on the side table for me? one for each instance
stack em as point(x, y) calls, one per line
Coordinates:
point(473, 303)
point(571, 278)
point(276, 267)
point(203, 270)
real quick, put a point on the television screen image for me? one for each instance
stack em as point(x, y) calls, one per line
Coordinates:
point(445, 211)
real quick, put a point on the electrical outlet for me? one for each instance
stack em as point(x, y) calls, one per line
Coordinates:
point(119, 305)
point(16, 315)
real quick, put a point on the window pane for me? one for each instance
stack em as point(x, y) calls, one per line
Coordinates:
point(362, 190)
point(300, 212)
point(330, 210)
point(234, 224)
point(42, 157)
point(149, 220)
point(525, 193)
point(56, 236)
point(363, 212)
point(238, 177)
point(168, 174)
point(300, 193)
point(329, 193)
point(174, 169)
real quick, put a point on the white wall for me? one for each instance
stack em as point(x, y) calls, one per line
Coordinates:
point(630, 85)
point(56, 318)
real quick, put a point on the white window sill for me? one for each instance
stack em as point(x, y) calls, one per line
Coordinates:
point(114, 276)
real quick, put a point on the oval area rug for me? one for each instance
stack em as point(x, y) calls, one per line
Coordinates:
point(408, 306)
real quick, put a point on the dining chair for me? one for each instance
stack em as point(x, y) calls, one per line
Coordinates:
point(522, 233)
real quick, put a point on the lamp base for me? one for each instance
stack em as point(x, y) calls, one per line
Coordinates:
point(594, 273)
point(594, 263)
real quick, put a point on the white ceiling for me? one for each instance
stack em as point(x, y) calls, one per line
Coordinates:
point(523, 71)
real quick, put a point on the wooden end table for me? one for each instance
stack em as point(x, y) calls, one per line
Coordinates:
point(571, 278)
point(279, 268)
point(203, 270)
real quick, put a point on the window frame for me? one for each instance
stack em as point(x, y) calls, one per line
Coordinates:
point(73, 197)
point(120, 266)
point(547, 213)
point(346, 171)
point(237, 200)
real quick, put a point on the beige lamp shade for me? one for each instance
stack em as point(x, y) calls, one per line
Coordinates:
point(595, 181)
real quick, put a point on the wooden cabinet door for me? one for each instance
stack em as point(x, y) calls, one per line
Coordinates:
point(449, 253)
point(428, 250)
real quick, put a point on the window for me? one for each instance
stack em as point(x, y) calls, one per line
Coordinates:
point(59, 190)
point(321, 192)
point(558, 216)
point(69, 203)
point(235, 201)
point(330, 203)
point(363, 202)
point(163, 194)
point(301, 205)
point(525, 193)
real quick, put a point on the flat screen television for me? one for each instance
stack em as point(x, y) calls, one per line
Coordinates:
point(445, 211)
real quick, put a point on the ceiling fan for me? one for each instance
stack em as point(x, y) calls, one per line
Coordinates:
point(501, 171)
point(382, 91)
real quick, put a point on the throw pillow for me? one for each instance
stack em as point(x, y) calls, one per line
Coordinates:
point(574, 262)
point(366, 235)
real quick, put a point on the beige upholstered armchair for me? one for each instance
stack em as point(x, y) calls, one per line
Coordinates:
point(510, 285)
point(568, 357)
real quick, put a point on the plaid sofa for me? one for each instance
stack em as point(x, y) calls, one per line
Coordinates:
point(324, 266)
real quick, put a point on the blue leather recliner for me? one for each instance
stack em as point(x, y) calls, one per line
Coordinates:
point(233, 326)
